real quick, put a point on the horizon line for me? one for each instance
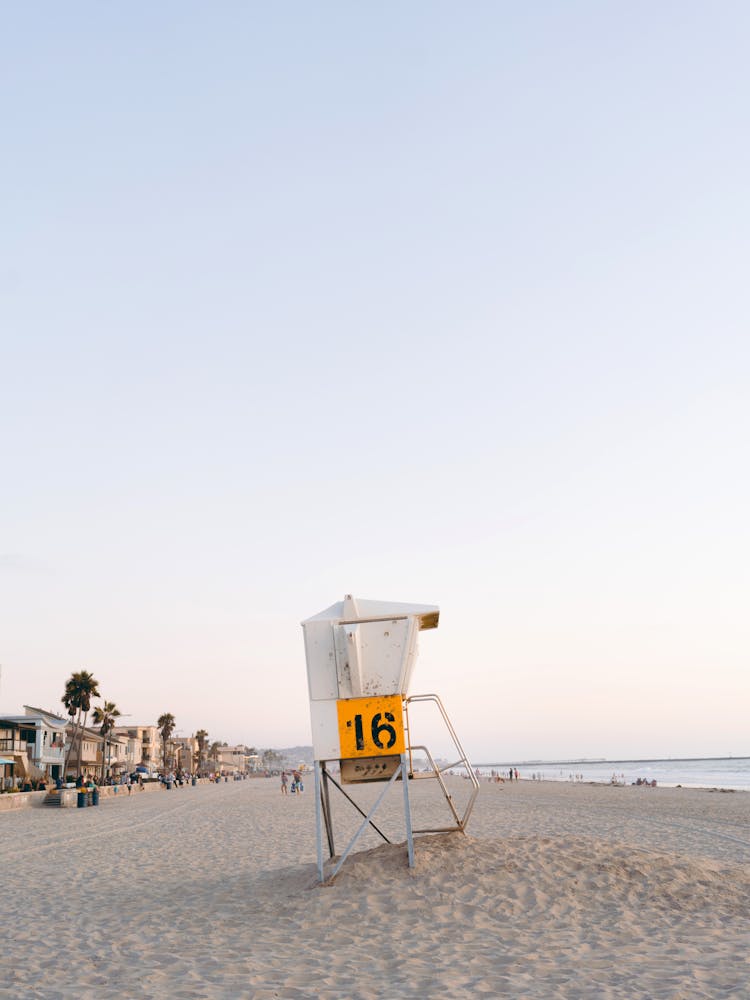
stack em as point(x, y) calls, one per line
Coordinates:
point(610, 760)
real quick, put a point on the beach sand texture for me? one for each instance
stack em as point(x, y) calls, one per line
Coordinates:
point(559, 890)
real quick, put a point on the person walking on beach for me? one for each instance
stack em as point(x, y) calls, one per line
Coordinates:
point(284, 783)
point(510, 774)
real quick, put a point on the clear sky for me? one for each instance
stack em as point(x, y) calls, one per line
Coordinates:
point(431, 302)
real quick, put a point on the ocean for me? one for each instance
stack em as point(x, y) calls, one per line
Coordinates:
point(706, 772)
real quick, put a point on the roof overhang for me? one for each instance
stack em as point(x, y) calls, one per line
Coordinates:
point(353, 609)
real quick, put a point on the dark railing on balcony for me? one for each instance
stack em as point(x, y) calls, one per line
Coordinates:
point(9, 743)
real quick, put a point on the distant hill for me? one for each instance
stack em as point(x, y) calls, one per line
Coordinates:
point(294, 755)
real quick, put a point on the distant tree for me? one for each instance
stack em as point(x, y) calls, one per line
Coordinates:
point(202, 739)
point(105, 718)
point(80, 688)
point(72, 711)
point(165, 724)
point(213, 753)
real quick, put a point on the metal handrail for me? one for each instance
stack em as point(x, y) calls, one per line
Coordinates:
point(437, 772)
point(9, 743)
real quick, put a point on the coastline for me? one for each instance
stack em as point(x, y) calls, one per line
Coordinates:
point(698, 772)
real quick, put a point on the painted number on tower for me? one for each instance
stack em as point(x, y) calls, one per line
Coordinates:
point(369, 727)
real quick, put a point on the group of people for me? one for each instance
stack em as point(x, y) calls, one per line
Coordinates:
point(16, 784)
point(86, 781)
point(126, 780)
point(497, 777)
point(296, 787)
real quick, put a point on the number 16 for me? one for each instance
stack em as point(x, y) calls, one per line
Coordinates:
point(377, 729)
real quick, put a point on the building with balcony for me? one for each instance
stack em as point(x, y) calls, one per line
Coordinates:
point(130, 736)
point(86, 752)
point(232, 759)
point(13, 754)
point(143, 745)
point(182, 752)
point(114, 760)
point(32, 745)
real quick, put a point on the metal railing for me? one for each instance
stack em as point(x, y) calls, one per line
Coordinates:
point(8, 743)
point(437, 772)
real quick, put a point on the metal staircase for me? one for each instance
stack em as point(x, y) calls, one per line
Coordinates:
point(437, 772)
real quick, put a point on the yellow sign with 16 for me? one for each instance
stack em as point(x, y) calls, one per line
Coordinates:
point(370, 727)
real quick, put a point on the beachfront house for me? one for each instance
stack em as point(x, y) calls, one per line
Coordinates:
point(11, 747)
point(130, 737)
point(90, 745)
point(143, 745)
point(32, 745)
point(182, 753)
point(115, 757)
point(102, 757)
point(232, 759)
point(151, 752)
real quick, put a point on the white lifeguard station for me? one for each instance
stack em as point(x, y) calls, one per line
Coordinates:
point(360, 658)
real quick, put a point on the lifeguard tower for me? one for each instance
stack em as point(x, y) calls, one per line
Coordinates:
point(360, 658)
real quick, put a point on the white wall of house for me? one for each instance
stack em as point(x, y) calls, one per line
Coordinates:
point(42, 735)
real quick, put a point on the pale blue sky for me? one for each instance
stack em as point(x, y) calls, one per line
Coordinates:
point(430, 302)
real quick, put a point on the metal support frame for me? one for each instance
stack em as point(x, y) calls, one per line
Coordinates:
point(327, 806)
point(327, 810)
point(405, 770)
point(323, 815)
point(318, 830)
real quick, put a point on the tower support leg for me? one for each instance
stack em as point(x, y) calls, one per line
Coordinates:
point(407, 810)
point(327, 819)
point(318, 821)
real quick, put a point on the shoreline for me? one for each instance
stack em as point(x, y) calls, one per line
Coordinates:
point(610, 760)
point(724, 772)
point(633, 784)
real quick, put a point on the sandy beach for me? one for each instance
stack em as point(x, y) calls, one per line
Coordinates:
point(559, 890)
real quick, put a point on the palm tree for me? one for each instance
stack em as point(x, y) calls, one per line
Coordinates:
point(213, 753)
point(166, 724)
point(202, 738)
point(104, 717)
point(71, 710)
point(80, 688)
